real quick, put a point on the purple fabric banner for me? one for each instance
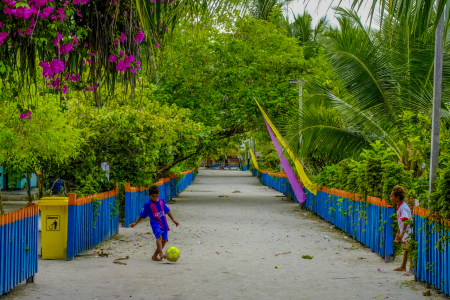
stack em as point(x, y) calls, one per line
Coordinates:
point(298, 191)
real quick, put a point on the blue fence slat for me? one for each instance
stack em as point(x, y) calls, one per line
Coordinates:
point(82, 233)
point(18, 247)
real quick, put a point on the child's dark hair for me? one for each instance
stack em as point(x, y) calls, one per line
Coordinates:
point(154, 189)
point(399, 192)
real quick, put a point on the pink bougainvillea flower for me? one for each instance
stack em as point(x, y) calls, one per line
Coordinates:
point(122, 53)
point(21, 116)
point(65, 48)
point(90, 61)
point(154, 1)
point(20, 32)
point(379, 270)
point(76, 2)
point(138, 67)
point(32, 22)
point(65, 89)
point(30, 117)
point(29, 31)
point(116, 42)
point(79, 13)
point(49, 69)
point(92, 54)
point(114, 2)
point(86, 45)
point(83, 62)
point(139, 37)
point(276, 254)
point(133, 70)
point(67, 76)
point(57, 39)
point(157, 45)
point(92, 88)
point(1, 24)
point(75, 40)
point(66, 3)
point(46, 12)
point(112, 58)
point(61, 13)
point(56, 83)
point(166, 30)
point(123, 37)
point(75, 77)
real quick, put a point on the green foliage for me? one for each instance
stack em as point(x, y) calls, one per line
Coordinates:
point(374, 175)
point(328, 176)
point(439, 201)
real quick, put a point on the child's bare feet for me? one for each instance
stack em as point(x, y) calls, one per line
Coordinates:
point(409, 273)
point(400, 269)
point(156, 258)
point(162, 256)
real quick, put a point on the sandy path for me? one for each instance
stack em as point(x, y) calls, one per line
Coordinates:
point(247, 230)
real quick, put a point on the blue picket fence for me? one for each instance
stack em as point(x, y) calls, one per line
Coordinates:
point(276, 181)
point(19, 234)
point(136, 197)
point(244, 167)
point(86, 229)
point(369, 221)
point(432, 264)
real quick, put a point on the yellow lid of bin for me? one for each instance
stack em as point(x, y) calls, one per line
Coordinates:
point(53, 201)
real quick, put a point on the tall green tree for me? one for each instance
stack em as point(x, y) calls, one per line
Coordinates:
point(385, 72)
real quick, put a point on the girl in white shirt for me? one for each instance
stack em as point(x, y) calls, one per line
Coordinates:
point(403, 214)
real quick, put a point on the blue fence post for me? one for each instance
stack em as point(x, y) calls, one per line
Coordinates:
point(71, 226)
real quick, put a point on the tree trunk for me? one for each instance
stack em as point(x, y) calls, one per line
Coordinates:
point(2, 211)
point(29, 187)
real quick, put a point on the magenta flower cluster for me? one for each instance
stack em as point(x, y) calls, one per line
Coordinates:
point(49, 69)
point(93, 88)
point(139, 37)
point(26, 115)
point(125, 63)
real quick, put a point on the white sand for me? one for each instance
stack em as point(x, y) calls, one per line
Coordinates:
point(247, 230)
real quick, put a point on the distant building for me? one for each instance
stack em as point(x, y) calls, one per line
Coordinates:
point(5, 181)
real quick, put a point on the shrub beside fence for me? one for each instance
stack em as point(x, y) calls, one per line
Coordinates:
point(433, 265)
point(135, 197)
point(19, 234)
point(369, 222)
point(88, 228)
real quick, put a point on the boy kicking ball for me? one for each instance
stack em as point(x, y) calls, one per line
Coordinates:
point(403, 214)
point(156, 209)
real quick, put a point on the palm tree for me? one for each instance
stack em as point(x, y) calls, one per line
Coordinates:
point(385, 72)
point(307, 35)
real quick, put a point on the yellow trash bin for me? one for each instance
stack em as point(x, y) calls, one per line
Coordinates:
point(54, 219)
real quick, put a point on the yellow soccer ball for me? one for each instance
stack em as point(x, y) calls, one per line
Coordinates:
point(172, 254)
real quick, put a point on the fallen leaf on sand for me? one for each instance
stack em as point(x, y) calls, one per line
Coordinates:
point(118, 261)
point(236, 191)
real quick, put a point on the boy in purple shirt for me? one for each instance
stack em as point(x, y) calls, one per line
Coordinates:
point(156, 209)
